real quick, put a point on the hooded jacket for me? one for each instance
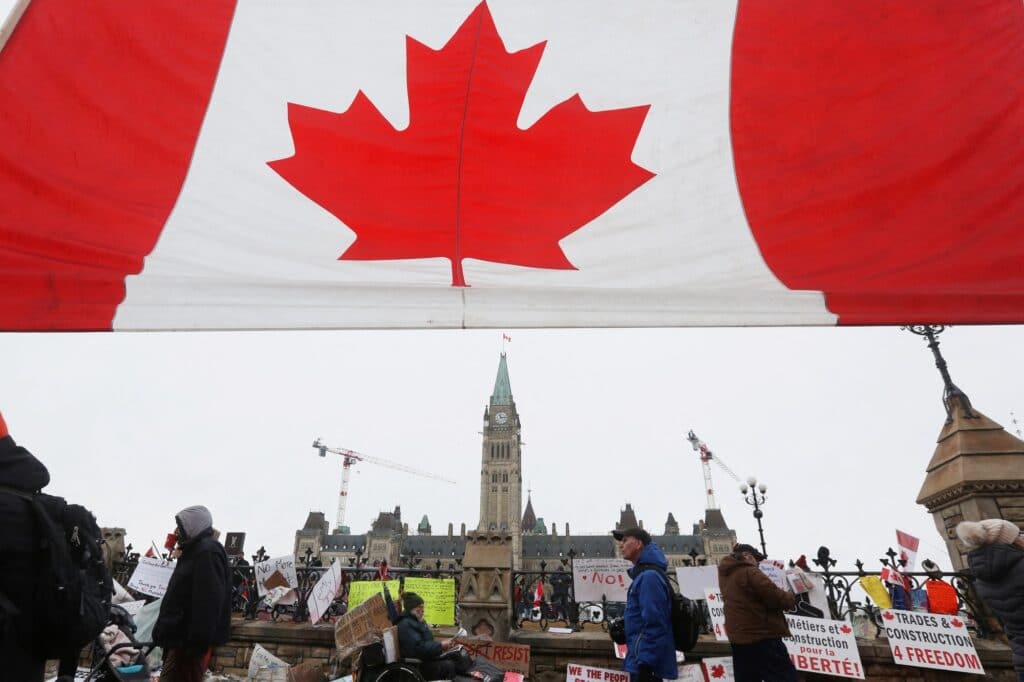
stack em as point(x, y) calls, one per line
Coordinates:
point(649, 617)
point(18, 543)
point(196, 609)
point(415, 639)
point(999, 570)
point(753, 604)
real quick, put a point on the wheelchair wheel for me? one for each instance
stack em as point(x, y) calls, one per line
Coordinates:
point(394, 672)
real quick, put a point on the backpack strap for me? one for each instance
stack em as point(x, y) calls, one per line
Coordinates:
point(654, 568)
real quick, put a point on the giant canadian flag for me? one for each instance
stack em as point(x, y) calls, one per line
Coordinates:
point(450, 163)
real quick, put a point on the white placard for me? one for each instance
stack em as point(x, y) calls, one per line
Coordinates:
point(132, 607)
point(263, 659)
point(691, 672)
point(776, 573)
point(823, 646)
point(716, 607)
point(719, 669)
point(151, 576)
point(586, 673)
point(592, 578)
point(324, 592)
point(928, 640)
point(284, 564)
point(693, 580)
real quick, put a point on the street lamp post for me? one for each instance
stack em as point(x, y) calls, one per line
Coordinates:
point(754, 495)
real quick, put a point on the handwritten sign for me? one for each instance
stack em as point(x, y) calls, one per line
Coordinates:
point(439, 597)
point(716, 607)
point(719, 669)
point(361, 590)
point(262, 659)
point(694, 579)
point(276, 572)
point(585, 673)
point(507, 656)
point(594, 578)
point(360, 626)
point(776, 573)
point(324, 592)
point(151, 576)
point(823, 646)
point(927, 640)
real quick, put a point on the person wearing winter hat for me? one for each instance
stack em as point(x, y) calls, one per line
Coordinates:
point(996, 558)
point(195, 614)
point(416, 641)
point(22, 473)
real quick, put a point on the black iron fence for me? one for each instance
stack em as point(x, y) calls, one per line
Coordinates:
point(247, 601)
point(558, 606)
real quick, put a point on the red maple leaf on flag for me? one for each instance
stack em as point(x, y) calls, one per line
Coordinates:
point(463, 180)
point(718, 671)
point(888, 615)
point(956, 622)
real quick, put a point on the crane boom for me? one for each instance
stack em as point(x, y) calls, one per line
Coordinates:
point(706, 457)
point(351, 457)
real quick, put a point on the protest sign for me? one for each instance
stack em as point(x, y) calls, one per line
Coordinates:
point(361, 590)
point(693, 580)
point(263, 660)
point(620, 650)
point(361, 625)
point(719, 669)
point(585, 673)
point(324, 592)
point(151, 576)
point(438, 596)
point(926, 640)
point(776, 572)
point(716, 607)
point(234, 544)
point(507, 656)
point(823, 646)
point(276, 572)
point(691, 672)
point(593, 579)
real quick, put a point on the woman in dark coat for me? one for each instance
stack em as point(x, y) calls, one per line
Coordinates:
point(996, 559)
point(416, 641)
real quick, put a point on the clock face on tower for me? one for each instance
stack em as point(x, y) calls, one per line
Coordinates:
point(501, 418)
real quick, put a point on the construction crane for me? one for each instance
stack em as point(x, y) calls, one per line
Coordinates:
point(351, 457)
point(706, 457)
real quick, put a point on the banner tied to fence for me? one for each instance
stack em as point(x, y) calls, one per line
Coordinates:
point(926, 640)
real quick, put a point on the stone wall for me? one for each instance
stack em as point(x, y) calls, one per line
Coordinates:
point(294, 643)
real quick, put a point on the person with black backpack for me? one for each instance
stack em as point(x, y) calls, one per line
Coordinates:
point(55, 589)
point(651, 653)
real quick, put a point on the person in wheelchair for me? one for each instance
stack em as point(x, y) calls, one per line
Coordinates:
point(437, 658)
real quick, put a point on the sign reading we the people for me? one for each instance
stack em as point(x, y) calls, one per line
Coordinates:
point(438, 596)
point(716, 607)
point(593, 579)
point(361, 590)
point(823, 646)
point(151, 576)
point(585, 673)
point(927, 640)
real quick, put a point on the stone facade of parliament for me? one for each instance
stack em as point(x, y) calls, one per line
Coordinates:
point(501, 509)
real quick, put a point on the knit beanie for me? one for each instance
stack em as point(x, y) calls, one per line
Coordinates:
point(3, 426)
point(411, 600)
point(974, 534)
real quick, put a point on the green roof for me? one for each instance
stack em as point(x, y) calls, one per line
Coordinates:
point(502, 388)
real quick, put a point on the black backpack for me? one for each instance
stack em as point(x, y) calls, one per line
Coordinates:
point(687, 619)
point(73, 587)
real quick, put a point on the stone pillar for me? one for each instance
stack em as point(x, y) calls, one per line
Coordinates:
point(485, 599)
point(977, 472)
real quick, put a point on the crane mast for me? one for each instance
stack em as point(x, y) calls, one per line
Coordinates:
point(706, 457)
point(350, 458)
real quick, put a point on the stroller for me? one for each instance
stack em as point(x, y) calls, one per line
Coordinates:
point(116, 655)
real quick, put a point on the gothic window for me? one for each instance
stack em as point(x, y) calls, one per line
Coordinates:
point(504, 478)
point(494, 488)
point(494, 478)
point(504, 488)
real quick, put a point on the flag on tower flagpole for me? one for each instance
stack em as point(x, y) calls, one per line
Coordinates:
point(908, 549)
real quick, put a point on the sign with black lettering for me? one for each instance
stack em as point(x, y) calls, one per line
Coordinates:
point(823, 646)
point(928, 640)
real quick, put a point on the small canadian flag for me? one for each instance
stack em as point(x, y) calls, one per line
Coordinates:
point(908, 549)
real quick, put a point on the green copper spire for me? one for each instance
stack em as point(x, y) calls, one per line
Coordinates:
point(502, 388)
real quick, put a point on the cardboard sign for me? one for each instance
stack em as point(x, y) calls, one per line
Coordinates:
point(361, 625)
point(823, 646)
point(693, 580)
point(716, 607)
point(361, 590)
point(585, 673)
point(718, 669)
point(151, 576)
point(438, 596)
point(234, 544)
point(926, 640)
point(324, 592)
point(594, 578)
point(507, 656)
point(283, 566)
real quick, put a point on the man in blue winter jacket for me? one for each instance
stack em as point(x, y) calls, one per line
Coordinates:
point(651, 654)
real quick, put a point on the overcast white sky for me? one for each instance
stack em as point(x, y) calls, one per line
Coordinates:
point(840, 423)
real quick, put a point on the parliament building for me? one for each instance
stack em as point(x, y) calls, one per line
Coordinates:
point(501, 508)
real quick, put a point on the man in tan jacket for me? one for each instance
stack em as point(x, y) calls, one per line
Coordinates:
point(754, 618)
